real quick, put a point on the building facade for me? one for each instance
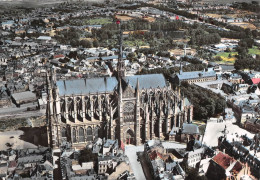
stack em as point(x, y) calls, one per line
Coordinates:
point(132, 109)
point(194, 76)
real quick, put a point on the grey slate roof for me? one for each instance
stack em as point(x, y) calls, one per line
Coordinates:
point(227, 67)
point(108, 84)
point(190, 129)
point(24, 96)
point(146, 81)
point(85, 86)
point(106, 58)
point(196, 74)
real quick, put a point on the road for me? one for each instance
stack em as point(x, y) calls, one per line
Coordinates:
point(130, 151)
point(21, 112)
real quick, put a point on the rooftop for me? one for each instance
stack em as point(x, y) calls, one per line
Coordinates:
point(23, 95)
point(190, 129)
point(196, 74)
point(223, 160)
point(146, 81)
point(85, 86)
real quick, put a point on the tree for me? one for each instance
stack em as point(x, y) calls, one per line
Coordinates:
point(95, 43)
point(86, 43)
point(131, 56)
point(192, 174)
point(86, 155)
point(228, 50)
point(217, 58)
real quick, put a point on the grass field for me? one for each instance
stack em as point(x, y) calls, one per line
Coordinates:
point(231, 60)
point(225, 57)
point(244, 25)
point(99, 21)
point(254, 50)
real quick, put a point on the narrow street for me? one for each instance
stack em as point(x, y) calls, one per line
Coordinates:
point(130, 151)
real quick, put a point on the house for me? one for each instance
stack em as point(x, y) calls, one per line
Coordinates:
point(23, 97)
point(194, 76)
point(194, 157)
point(44, 39)
point(7, 24)
point(252, 125)
point(161, 163)
point(222, 166)
point(220, 47)
point(246, 149)
point(189, 131)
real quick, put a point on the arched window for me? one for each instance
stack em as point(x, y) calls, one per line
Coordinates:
point(74, 139)
point(130, 137)
point(89, 134)
point(81, 135)
point(96, 132)
point(63, 132)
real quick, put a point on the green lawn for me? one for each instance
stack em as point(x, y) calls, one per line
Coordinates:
point(99, 21)
point(231, 60)
point(254, 50)
point(225, 57)
point(226, 54)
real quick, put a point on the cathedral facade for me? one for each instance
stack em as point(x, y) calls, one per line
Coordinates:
point(132, 109)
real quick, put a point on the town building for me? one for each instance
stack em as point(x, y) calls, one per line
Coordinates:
point(194, 76)
point(162, 164)
point(222, 166)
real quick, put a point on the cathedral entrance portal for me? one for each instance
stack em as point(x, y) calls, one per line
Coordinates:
point(130, 138)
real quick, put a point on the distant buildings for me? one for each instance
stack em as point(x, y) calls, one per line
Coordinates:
point(105, 161)
point(27, 164)
point(194, 76)
point(162, 164)
point(252, 125)
point(243, 148)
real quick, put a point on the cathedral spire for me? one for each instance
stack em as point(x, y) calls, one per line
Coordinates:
point(120, 64)
point(137, 85)
point(137, 89)
point(120, 89)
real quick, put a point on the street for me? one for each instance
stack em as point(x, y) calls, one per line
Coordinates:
point(130, 151)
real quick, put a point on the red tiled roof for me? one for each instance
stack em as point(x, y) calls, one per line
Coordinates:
point(223, 160)
point(58, 56)
point(255, 80)
point(12, 164)
point(237, 168)
point(153, 155)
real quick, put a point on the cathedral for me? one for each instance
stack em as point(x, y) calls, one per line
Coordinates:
point(132, 109)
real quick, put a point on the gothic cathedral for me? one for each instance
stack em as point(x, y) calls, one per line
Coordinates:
point(132, 109)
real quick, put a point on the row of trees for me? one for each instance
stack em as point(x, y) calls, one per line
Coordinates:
point(248, 63)
point(206, 103)
point(201, 39)
point(244, 60)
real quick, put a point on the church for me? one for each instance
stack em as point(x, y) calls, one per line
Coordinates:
point(132, 109)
